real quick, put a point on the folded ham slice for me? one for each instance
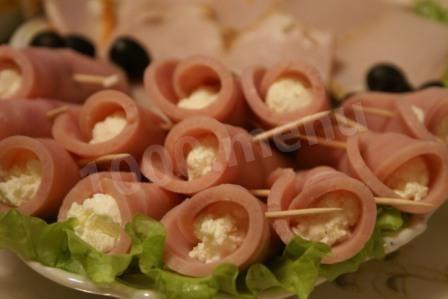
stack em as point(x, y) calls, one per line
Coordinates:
point(275, 104)
point(35, 175)
point(233, 209)
point(28, 118)
point(395, 165)
point(109, 122)
point(313, 187)
point(48, 73)
point(201, 152)
point(175, 86)
point(131, 197)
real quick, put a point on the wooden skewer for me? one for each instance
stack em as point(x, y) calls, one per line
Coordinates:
point(323, 141)
point(348, 122)
point(103, 159)
point(260, 192)
point(375, 111)
point(55, 112)
point(301, 212)
point(97, 79)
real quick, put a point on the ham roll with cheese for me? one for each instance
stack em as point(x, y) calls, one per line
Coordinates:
point(223, 224)
point(196, 86)
point(284, 93)
point(402, 117)
point(48, 73)
point(104, 202)
point(35, 175)
point(397, 166)
point(200, 152)
point(109, 122)
point(28, 118)
point(346, 231)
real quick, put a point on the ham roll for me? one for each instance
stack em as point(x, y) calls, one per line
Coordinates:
point(48, 73)
point(104, 202)
point(35, 175)
point(109, 122)
point(397, 166)
point(196, 86)
point(200, 152)
point(223, 224)
point(284, 93)
point(28, 118)
point(346, 232)
point(405, 118)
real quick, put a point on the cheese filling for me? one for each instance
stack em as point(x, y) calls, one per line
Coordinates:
point(109, 128)
point(334, 228)
point(287, 95)
point(10, 82)
point(200, 98)
point(410, 180)
point(98, 221)
point(201, 158)
point(20, 183)
point(219, 237)
point(441, 130)
point(419, 113)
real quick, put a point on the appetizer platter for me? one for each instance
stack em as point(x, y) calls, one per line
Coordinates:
point(210, 149)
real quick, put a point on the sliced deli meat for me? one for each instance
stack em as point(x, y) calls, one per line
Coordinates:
point(397, 166)
point(194, 86)
point(49, 73)
point(284, 92)
point(201, 152)
point(109, 122)
point(35, 175)
point(347, 231)
point(104, 202)
point(223, 224)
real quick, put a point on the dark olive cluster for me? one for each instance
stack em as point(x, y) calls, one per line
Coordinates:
point(51, 39)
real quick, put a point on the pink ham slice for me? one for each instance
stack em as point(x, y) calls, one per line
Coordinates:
point(24, 117)
point(288, 40)
point(297, 191)
point(179, 224)
point(372, 157)
point(59, 172)
point(168, 81)
point(239, 160)
point(404, 119)
point(73, 129)
point(257, 80)
point(131, 196)
point(48, 73)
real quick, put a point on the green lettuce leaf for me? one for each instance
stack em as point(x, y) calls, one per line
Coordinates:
point(432, 10)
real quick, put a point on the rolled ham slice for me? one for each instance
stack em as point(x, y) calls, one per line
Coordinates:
point(74, 129)
point(405, 119)
point(181, 224)
point(167, 82)
point(28, 118)
point(373, 158)
point(236, 157)
point(58, 173)
point(257, 81)
point(131, 196)
point(300, 190)
point(48, 73)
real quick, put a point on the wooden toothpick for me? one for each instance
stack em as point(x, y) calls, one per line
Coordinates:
point(103, 159)
point(105, 81)
point(373, 110)
point(301, 212)
point(52, 114)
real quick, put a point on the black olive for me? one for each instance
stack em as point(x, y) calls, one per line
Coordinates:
point(48, 39)
point(387, 78)
point(130, 56)
point(80, 44)
point(432, 84)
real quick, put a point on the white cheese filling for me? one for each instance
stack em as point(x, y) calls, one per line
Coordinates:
point(419, 113)
point(441, 130)
point(10, 82)
point(200, 98)
point(109, 128)
point(334, 228)
point(410, 180)
point(20, 183)
point(98, 221)
point(288, 94)
point(202, 157)
point(219, 237)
